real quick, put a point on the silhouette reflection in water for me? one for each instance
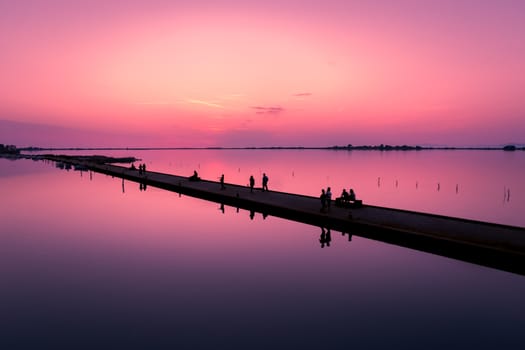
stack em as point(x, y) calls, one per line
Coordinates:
point(326, 237)
point(221, 208)
point(349, 236)
point(142, 186)
point(252, 214)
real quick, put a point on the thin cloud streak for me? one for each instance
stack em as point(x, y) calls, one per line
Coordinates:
point(205, 103)
point(159, 103)
point(267, 110)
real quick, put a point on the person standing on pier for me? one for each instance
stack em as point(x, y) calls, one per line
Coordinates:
point(222, 182)
point(323, 200)
point(328, 197)
point(264, 182)
point(252, 183)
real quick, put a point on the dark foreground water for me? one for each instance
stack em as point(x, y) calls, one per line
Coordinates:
point(90, 262)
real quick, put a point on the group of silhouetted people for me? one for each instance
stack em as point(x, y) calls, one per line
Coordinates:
point(265, 179)
point(142, 168)
point(326, 199)
point(346, 198)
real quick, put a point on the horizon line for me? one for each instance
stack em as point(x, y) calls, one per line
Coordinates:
point(334, 147)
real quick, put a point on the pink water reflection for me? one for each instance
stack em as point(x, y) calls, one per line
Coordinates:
point(481, 185)
point(87, 256)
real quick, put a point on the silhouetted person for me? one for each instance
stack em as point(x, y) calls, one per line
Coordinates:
point(351, 196)
point(328, 197)
point(264, 182)
point(252, 183)
point(195, 176)
point(343, 199)
point(222, 182)
point(322, 197)
point(144, 168)
point(133, 167)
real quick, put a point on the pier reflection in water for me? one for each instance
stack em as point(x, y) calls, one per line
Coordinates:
point(83, 262)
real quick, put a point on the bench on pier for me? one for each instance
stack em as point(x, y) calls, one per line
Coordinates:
point(346, 203)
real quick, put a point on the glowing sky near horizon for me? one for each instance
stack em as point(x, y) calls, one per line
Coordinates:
point(251, 73)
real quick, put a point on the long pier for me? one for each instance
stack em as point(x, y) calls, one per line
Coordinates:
point(493, 245)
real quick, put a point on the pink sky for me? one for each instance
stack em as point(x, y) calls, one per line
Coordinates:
point(251, 73)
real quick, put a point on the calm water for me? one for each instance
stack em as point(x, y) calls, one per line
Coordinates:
point(90, 261)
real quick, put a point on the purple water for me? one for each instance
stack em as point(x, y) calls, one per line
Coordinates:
point(87, 261)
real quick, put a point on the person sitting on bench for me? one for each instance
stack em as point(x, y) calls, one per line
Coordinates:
point(343, 199)
point(351, 196)
point(195, 176)
point(348, 199)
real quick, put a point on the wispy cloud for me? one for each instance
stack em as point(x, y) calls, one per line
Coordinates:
point(157, 103)
point(267, 110)
point(303, 94)
point(205, 103)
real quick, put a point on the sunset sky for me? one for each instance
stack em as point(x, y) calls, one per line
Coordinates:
point(170, 73)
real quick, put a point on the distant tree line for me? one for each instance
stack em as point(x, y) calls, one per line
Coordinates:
point(12, 149)
point(383, 147)
point(9, 149)
point(380, 147)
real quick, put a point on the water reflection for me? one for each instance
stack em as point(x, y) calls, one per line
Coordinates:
point(150, 273)
point(437, 175)
point(326, 237)
point(349, 235)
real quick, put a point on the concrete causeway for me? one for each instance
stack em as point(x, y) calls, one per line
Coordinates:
point(488, 244)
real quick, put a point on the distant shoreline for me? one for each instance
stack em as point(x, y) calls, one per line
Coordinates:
point(336, 148)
